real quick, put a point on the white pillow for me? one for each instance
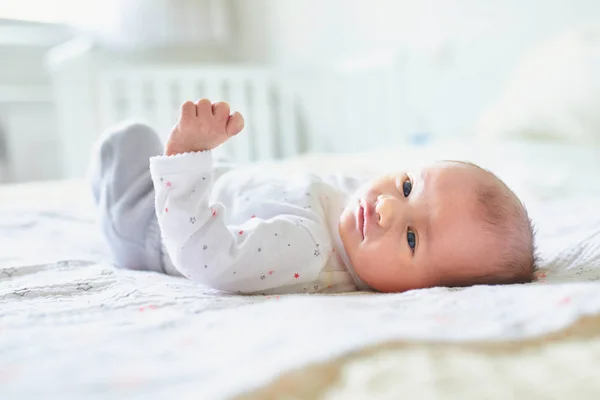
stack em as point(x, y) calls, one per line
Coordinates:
point(554, 93)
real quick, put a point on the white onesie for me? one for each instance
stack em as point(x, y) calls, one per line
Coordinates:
point(248, 230)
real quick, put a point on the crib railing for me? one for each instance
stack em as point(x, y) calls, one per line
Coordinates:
point(154, 94)
point(286, 112)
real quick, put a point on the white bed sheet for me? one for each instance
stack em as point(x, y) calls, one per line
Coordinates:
point(73, 326)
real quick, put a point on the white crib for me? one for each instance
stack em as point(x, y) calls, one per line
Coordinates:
point(287, 112)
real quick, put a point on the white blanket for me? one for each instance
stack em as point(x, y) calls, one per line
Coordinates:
point(73, 326)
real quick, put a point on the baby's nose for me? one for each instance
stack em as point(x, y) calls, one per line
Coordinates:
point(386, 210)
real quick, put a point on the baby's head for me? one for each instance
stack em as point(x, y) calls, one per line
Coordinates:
point(449, 224)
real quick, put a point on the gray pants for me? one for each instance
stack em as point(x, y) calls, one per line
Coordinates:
point(124, 195)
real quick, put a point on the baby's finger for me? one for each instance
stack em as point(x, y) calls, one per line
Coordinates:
point(204, 108)
point(221, 111)
point(235, 124)
point(188, 109)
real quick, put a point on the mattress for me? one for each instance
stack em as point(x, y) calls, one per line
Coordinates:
point(74, 326)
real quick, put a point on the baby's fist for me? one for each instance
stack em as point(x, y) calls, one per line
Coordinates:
point(203, 126)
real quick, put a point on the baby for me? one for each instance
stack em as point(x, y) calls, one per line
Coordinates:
point(244, 230)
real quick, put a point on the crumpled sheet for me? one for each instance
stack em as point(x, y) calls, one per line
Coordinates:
point(73, 326)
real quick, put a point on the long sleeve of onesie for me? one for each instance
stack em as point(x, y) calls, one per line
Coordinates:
point(279, 249)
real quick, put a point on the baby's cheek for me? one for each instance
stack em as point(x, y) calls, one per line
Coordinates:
point(381, 260)
point(392, 268)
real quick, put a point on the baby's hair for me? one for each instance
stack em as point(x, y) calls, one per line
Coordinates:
point(507, 221)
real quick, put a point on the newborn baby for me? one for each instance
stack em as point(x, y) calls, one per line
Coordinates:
point(247, 230)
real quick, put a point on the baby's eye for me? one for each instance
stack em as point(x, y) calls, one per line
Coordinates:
point(407, 187)
point(412, 239)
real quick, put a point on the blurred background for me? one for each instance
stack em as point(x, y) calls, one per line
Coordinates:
point(310, 76)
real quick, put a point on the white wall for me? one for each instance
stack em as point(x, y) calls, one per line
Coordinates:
point(27, 115)
point(28, 118)
point(460, 53)
point(26, 110)
point(456, 56)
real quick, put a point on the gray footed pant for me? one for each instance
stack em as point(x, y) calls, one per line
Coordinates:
point(119, 174)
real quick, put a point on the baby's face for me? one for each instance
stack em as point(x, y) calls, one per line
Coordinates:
point(408, 230)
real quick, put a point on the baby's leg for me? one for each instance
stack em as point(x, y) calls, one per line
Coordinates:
point(124, 196)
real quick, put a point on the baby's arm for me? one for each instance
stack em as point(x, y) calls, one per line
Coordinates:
point(259, 254)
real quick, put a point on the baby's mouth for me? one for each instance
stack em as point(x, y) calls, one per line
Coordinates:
point(365, 214)
point(361, 219)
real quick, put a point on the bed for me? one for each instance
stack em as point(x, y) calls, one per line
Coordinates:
point(74, 326)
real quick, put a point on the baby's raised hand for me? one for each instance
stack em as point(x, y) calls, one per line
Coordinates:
point(203, 126)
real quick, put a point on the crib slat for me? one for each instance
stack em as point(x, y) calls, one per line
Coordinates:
point(392, 112)
point(261, 119)
point(286, 114)
point(373, 121)
point(106, 101)
point(187, 91)
point(134, 95)
point(164, 107)
point(350, 122)
point(214, 90)
point(241, 144)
